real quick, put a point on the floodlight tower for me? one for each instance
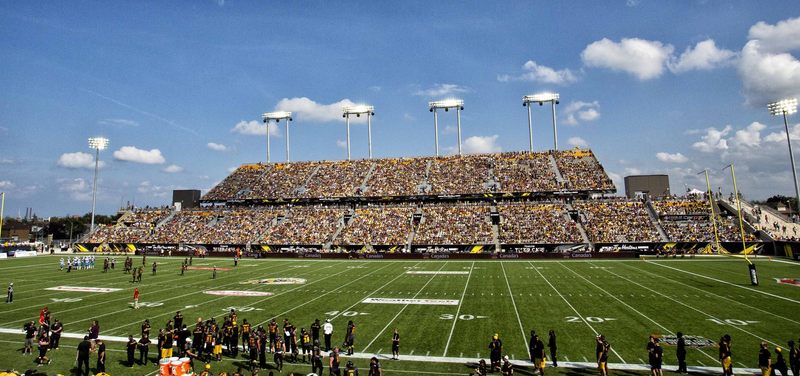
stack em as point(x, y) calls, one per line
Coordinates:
point(541, 99)
point(358, 110)
point(96, 143)
point(278, 116)
point(446, 104)
point(787, 107)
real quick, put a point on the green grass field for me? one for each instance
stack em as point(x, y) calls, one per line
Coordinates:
point(625, 300)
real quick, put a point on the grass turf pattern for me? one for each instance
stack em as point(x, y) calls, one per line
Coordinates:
point(624, 300)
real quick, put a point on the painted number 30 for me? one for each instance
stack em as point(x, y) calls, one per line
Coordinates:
point(447, 316)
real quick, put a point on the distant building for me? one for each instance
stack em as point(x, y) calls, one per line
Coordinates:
point(20, 231)
point(188, 198)
point(650, 185)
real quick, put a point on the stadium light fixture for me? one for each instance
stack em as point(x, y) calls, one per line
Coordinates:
point(96, 143)
point(541, 99)
point(278, 116)
point(358, 110)
point(446, 104)
point(751, 267)
point(787, 107)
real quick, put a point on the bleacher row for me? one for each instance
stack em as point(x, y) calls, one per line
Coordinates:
point(520, 222)
point(552, 171)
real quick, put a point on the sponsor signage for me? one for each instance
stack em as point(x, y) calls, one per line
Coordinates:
point(448, 302)
point(691, 341)
point(788, 281)
point(275, 281)
point(82, 289)
point(237, 293)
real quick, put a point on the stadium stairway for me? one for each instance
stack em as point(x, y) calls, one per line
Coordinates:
point(651, 212)
point(746, 217)
point(766, 232)
point(495, 231)
point(275, 221)
point(302, 188)
point(579, 224)
point(339, 227)
point(364, 183)
point(554, 166)
point(414, 226)
point(166, 219)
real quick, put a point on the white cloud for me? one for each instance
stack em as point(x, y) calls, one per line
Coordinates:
point(577, 141)
point(481, 144)
point(119, 122)
point(408, 117)
point(6, 184)
point(783, 36)
point(78, 160)
point(78, 189)
point(704, 56)
point(442, 90)
point(312, 111)
point(254, 128)
point(794, 133)
point(341, 144)
point(540, 73)
point(632, 171)
point(749, 136)
point(713, 140)
point(578, 111)
point(671, 158)
point(216, 147)
point(632, 3)
point(172, 169)
point(767, 69)
point(148, 188)
point(644, 59)
point(6, 161)
point(136, 155)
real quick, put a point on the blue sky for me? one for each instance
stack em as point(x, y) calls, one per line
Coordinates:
point(178, 88)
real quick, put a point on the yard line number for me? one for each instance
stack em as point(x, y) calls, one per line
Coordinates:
point(591, 319)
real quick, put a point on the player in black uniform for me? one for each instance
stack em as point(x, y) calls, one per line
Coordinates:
point(765, 360)
point(315, 328)
point(277, 357)
point(551, 343)
point(101, 356)
point(252, 344)
point(506, 369)
point(794, 359)
point(495, 352)
point(130, 347)
point(333, 363)
point(680, 353)
point(539, 359)
point(350, 369)
point(316, 359)
point(375, 367)
point(780, 363)
point(305, 343)
point(602, 356)
point(395, 345)
point(245, 335)
point(725, 355)
point(263, 347)
point(657, 358)
point(350, 337)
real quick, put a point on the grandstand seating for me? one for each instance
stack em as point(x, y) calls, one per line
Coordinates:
point(612, 221)
point(523, 222)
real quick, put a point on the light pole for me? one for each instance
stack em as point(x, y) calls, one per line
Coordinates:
point(788, 107)
point(2, 209)
point(358, 110)
point(277, 116)
point(96, 143)
point(541, 98)
point(446, 104)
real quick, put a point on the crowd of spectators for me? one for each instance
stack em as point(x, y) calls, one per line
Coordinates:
point(681, 207)
point(453, 224)
point(133, 226)
point(238, 183)
point(617, 220)
point(702, 230)
point(338, 178)
point(378, 225)
point(524, 222)
point(581, 170)
point(459, 174)
point(306, 225)
point(397, 177)
point(524, 172)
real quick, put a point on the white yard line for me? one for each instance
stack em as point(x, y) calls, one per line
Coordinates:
point(726, 298)
point(458, 311)
point(61, 293)
point(630, 307)
point(368, 295)
point(402, 309)
point(726, 282)
point(690, 307)
point(322, 295)
point(573, 309)
point(514, 303)
point(250, 304)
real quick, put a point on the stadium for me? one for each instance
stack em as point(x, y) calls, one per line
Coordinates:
point(461, 262)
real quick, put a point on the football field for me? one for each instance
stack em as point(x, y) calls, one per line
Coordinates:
point(445, 311)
